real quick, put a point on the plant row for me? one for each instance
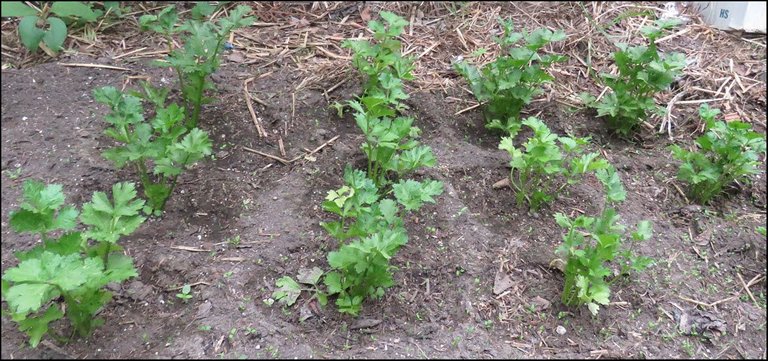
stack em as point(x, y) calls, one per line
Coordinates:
point(66, 275)
point(728, 152)
point(372, 203)
point(546, 164)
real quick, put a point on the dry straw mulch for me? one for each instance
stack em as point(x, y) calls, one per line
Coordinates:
point(726, 69)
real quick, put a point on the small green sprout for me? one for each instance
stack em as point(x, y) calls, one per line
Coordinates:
point(186, 293)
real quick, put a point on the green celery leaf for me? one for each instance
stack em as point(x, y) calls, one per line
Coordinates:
point(162, 23)
point(192, 148)
point(412, 194)
point(395, 23)
point(345, 257)
point(156, 195)
point(167, 117)
point(641, 263)
point(593, 308)
point(333, 282)
point(166, 167)
point(614, 190)
point(66, 219)
point(334, 229)
point(39, 198)
point(110, 221)
point(418, 157)
point(25, 298)
point(389, 209)
point(202, 10)
point(37, 327)
point(108, 95)
point(349, 304)
point(562, 220)
point(35, 280)
point(67, 244)
point(120, 268)
point(644, 231)
point(600, 293)
point(28, 221)
point(322, 298)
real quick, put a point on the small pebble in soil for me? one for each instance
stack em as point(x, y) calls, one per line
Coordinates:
point(560, 330)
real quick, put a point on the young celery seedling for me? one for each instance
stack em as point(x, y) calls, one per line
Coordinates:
point(643, 72)
point(728, 152)
point(544, 156)
point(203, 43)
point(511, 82)
point(588, 245)
point(163, 142)
point(67, 276)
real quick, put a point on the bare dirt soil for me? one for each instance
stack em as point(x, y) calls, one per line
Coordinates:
point(474, 240)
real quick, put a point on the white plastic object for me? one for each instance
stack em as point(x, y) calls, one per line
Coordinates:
point(737, 15)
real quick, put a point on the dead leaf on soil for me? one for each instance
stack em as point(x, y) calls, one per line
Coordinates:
point(501, 283)
point(236, 57)
point(299, 23)
point(557, 264)
point(501, 183)
point(313, 307)
point(365, 13)
point(305, 313)
point(365, 323)
point(541, 303)
point(309, 276)
point(730, 117)
point(695, 321)
point(704, 238)
point(204, 309)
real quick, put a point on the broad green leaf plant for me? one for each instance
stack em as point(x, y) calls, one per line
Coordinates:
point(48, 25)
point(390, 140)
point(163, 143)
point(203, 40)
point(539, 163)
point(592, 244)
point(371, 229)
point(66, 276)
point(514, 79)
point(390, 146)
point(375, 230)
point(643, 72)
point(383, 65)
point(728, 152)
point(588, 246)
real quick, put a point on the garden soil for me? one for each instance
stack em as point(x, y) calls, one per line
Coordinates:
point(476, 279)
